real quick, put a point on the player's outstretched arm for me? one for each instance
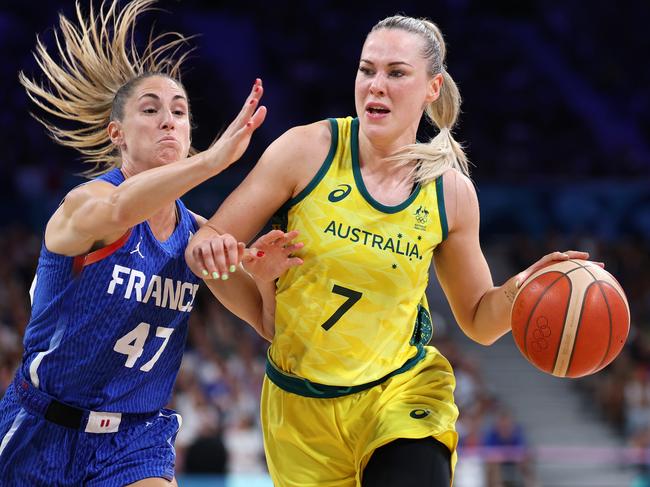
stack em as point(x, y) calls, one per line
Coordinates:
point(99, 213)
point(481, 309)
point(250, 290)
point(461, 268)
point(284, 170)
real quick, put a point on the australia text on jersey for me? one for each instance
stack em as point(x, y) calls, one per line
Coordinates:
point(354, 234)
point(165, 292)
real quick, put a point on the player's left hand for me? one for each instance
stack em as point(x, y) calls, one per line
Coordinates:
point(277, 248)
point(548, 259)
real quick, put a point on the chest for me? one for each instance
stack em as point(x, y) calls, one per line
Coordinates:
point(388, 191)
point(340, 228)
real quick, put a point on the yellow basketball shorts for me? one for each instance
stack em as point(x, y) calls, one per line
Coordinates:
point(327, 442)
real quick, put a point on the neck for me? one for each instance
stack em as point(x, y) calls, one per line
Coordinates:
point(130, 168)
point(373, 153)
point(127, 169)
point(163, 222)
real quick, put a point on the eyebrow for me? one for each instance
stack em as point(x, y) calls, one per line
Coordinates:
point(156, 97)
point(394, 63)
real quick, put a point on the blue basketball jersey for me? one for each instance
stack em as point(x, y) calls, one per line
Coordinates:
point(108, 329)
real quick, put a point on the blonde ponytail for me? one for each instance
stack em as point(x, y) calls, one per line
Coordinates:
point(97, 68)
point(442, 152)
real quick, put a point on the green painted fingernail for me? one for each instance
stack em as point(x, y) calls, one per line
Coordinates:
point(224, 276)
point(215, 275)
point(232, 268)
point(204, 272)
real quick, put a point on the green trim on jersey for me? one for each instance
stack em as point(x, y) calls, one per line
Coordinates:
point(323, 168)
point(303, 387)
point(441, 207)
point(358, 178)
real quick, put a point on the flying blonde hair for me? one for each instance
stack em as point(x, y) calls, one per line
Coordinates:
point(98, 66)
point(442, 152)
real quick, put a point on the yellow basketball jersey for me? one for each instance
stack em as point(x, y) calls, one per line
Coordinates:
point(348, 315)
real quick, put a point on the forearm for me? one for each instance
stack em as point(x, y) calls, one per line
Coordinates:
point(491, 318)
point(267, 294)
point(142, 195)
point(241, 296)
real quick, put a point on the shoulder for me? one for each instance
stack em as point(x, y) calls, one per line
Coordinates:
point(304, 139)
point(88, 191)
point(295, 157)
point(461, 201)
point(75, 226)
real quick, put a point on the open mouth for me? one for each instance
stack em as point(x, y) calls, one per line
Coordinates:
point(377, 110)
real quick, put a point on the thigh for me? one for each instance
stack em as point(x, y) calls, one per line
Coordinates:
point(33, 450)
point(143, 453)
point(409, 463)
point(302, 440)
point(418, 403)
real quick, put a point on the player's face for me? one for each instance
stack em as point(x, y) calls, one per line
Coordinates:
point(393, 86)
point(155, 128)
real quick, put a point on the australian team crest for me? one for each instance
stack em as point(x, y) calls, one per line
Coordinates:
point(421, 218)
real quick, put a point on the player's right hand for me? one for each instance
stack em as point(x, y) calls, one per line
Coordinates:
point(211, 255)
point(277, 248)
point(232, 144)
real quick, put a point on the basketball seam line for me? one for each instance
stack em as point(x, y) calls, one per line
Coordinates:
point(611, 325)
point(575, 338)
point(533, 311)
point(566, 314)
point(575, 335)
point(566, 311)
point(609, 315)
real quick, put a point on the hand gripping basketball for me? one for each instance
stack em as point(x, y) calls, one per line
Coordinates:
point(570, 318)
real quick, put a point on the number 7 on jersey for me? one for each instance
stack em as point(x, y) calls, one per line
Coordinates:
point(352, 295)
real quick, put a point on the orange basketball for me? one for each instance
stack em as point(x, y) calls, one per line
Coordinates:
point(570, 318)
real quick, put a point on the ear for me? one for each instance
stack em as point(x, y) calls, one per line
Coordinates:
point(433, 88)
point(115, 132)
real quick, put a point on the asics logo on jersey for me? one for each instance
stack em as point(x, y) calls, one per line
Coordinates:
point(340, 193)
point(161, 291)
point(420, 413)
point(136, 250)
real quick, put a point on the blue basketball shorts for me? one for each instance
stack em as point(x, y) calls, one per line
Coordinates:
point(35, 451)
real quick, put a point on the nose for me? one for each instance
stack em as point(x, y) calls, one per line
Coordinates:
point(378, 85)
point(167, 121)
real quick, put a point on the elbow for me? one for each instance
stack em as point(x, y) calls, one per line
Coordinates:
point(482, 337)
point(262, 331)
point(267, 336)
point(266, 330)
point(485, 341)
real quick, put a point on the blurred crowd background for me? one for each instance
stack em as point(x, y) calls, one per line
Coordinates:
point(556, 121)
